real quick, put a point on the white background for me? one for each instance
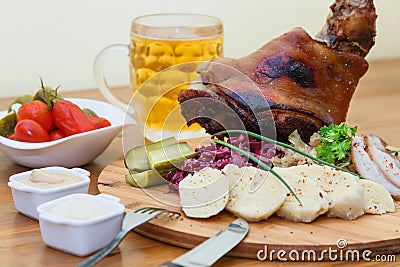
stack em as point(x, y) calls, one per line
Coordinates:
point(59, 40)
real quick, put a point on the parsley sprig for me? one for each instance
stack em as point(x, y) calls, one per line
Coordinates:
point(335, 142)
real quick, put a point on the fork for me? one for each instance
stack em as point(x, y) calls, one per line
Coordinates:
point(131, 220)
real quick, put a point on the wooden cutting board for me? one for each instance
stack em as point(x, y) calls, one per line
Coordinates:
point(378, 233)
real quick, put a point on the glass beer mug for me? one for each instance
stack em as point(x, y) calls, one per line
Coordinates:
point(159, 42)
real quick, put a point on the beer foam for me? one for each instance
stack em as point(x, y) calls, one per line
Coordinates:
point(179, 34)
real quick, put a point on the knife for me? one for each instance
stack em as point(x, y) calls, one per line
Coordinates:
point(208, 252)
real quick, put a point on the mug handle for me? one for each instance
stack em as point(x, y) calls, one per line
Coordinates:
point(98, 71)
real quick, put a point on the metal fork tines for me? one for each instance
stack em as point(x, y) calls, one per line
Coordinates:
point(131, 220)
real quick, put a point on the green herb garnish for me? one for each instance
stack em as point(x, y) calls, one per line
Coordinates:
point(272, 141)
point(259, 162)
point(47, 94)
point(335, 142)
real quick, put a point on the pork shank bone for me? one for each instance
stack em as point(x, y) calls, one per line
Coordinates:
point(305, 83)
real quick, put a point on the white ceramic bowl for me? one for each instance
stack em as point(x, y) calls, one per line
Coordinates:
point(74, 150)
point(81, 237)
point(27, 198)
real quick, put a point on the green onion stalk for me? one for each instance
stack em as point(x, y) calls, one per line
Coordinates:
point(256, 160)
point(272, 141)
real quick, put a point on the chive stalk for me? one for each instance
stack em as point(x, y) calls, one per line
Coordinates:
point(259, 162)
point(272, 141)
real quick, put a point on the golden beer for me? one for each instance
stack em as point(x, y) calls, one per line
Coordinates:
point(149, 55)
point(164, 52)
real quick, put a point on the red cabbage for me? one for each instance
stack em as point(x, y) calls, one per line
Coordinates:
point(218, 156)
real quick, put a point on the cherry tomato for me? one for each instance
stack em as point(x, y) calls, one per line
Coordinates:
point(11, 136)
point(57, 134)
point(37, 111)
point(70, 119)
point(30, 131)
point(99, 122)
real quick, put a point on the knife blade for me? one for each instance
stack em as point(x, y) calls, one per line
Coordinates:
point(208, 252)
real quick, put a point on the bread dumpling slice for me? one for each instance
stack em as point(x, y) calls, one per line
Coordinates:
point(204, 193)
point(313, 198)
point(377, 199)
point(344, 193)
point(254, 194)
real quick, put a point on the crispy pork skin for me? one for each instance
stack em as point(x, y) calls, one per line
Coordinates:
point(368, 169)
point(302, 83)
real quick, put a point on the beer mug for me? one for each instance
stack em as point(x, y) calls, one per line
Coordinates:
point(158, 42)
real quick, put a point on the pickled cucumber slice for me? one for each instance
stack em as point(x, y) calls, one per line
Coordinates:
point(7, 124)
point(170, 158)
point(22, 99)
point(144, 179)
point(136, 159)
point(130, 180)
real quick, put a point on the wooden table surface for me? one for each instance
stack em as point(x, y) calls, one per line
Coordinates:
point(375, 108)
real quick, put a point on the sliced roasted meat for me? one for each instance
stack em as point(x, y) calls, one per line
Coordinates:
point(387, 163)
point(301, 83)
point(368, 169)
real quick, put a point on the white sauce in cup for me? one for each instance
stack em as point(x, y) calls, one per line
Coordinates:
point(78, 209)
point(47, 179)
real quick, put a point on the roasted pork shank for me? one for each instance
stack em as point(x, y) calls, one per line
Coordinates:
point(304, 83)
